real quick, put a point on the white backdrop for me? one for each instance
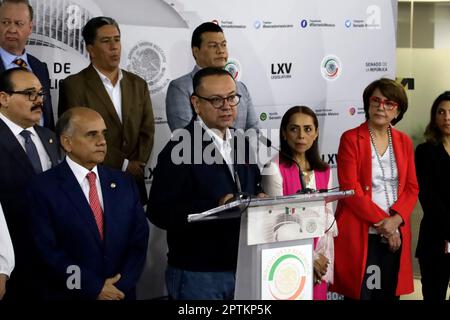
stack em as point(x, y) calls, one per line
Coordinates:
point(319, 53)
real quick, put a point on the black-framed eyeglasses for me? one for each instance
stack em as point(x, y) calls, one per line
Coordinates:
point(32, 94)
point(218, 102)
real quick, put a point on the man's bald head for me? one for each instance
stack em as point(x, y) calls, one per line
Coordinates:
point(82, 133)
point(66, 120)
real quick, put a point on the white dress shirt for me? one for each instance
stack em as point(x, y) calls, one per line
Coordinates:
point(114, 91)
point(223, 145)
point(378, 192)
point(80, 173)
point(6, 248)
point(115, 94)
point(46, 163)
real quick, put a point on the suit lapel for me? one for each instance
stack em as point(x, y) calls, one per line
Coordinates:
point(50, 145)
point(14, 149)
point(96, 86)
point(365, 160)
point(126, 98)
point(70, 186)
point(400, 156)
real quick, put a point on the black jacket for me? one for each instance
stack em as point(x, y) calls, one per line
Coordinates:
point(433, 175)
point(182, 189)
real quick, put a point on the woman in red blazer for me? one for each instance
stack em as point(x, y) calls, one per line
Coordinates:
point(373, 248)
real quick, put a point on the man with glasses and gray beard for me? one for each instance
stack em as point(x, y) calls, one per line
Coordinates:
point(202, 256)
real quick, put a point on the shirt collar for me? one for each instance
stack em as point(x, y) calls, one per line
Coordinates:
point(79, 171)
point(14, 127)
point(214, 133)
point(8, 58)
point(105, 79)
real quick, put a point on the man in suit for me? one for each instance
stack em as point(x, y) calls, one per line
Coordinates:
point(209, 49)
point(122, 99)
point(25, 150)
point(202, 256)
point(89, 227)
point(16, 25)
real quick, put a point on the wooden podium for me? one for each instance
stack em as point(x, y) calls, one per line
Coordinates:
point(275, 258)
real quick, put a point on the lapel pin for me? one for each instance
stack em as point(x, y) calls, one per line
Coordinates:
point(113, 185)
point(50, 141)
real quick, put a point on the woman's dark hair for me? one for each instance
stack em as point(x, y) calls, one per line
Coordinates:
point(432, 133)
point(391, 90)
point(312, 154)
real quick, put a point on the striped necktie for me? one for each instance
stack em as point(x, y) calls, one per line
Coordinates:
point(21, 63)
point(94, 202)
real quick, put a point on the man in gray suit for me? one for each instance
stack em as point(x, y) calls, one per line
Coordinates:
point(209, 49)
point(26, 149)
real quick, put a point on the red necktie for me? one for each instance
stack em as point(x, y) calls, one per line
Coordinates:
point(21, 63)
point(94, 202)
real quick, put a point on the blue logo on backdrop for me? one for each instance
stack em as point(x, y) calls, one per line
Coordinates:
point(348, 23)
point(303, 23)
point(257, 24)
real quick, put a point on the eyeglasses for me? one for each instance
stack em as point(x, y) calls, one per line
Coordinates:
point(218, 102)
point(388, 104)
point(32, 94)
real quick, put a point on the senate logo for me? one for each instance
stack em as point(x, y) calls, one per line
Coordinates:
point(331, 67)
point(148, 61)
point(286, 277)
point(234, 67)
point(311, 226)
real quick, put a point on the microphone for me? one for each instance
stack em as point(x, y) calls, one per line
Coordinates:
point(239, 195)
point(265, 141)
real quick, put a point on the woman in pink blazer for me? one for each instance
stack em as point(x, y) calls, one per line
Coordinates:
point(299, 146)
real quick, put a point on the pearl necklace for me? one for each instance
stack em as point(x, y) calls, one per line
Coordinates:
point(393, 180)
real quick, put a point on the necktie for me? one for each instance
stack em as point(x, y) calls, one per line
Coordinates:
point(21, 63)
point(30, 149)
point(94, 202)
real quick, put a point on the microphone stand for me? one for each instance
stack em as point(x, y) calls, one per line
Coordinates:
point(239, 195)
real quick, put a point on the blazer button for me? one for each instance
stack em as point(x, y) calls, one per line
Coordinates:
point(366, 188)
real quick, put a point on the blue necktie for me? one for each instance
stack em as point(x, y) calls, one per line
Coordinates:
point(31, 151)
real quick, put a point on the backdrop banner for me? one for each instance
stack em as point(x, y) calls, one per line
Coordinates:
point(321, 54)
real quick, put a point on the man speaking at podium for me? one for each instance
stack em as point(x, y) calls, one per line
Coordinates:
point(202, 256)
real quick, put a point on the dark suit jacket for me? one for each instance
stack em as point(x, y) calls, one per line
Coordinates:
point(193, 187)
point(433, 174)
point(65, 233)
point(15, 173)
point(40, 70)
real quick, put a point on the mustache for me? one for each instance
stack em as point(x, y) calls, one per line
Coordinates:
point(37, 106)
